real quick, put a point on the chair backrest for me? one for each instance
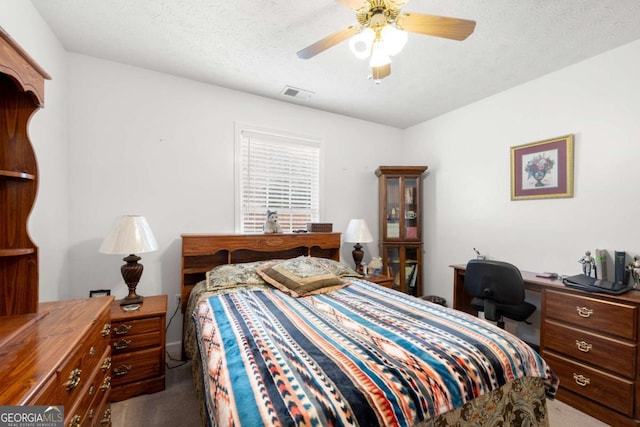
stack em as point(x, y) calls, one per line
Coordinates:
point(495, 280)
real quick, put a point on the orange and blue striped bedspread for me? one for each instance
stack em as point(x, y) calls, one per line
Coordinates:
point(363, 355)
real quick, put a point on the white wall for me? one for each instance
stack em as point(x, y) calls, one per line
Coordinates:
point(135, 141)
point(152, 144)
point(467, 191)
point(48, 224)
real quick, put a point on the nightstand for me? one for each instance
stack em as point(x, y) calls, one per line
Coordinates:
point(138, 348)
point(381, 280)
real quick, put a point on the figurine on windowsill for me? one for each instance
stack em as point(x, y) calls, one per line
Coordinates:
point(272, 225)
point(588, 264)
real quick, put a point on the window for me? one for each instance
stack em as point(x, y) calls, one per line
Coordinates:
point(277, 172)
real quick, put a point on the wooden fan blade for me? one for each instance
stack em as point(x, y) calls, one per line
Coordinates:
point(355, 4)
point(379, 73)
point(327, 42)
point(438, 26)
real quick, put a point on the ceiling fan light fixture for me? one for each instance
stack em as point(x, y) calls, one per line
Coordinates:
point(394, 39)
point(360, 44)
point(379, 55)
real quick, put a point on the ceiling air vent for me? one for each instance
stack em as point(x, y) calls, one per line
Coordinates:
point(294, 92)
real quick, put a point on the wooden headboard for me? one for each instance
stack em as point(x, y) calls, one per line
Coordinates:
point(202, 252)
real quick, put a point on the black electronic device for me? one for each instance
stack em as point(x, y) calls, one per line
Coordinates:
point(591, 284)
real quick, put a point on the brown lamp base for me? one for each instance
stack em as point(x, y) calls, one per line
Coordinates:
point(131, 272)
point(358, 254)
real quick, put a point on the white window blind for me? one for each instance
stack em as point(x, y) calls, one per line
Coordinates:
point(279, 173)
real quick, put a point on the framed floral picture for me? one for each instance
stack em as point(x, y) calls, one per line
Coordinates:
point(543, 169)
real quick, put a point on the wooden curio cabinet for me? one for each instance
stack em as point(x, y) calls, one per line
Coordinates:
point(21, 94)
point(400, 225)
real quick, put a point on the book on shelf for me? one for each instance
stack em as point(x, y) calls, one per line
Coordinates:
point(620, 259)
point(601, 264)
point(411, 276)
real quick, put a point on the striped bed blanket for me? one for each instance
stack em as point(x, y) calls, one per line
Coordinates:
point(363, 355)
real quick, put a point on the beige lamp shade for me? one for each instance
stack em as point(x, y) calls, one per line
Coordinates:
point(357, 232)
point(130, 234)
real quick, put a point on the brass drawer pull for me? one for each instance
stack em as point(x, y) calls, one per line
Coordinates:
point(123, 343)
point(90, 416)
point(74, 379)
point(106, 418)
point(583, 346)
point(106, 330)
point(122, 370)
point(75, 421)
point(122, 329)
point(92, 390)
point(106, 384)
point(584, 311)
point(92, 351)
point(106, 364)
point(581, 380)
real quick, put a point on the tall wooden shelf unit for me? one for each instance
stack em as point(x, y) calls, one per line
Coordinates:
point(21, 94)
point(400, 222)
point(54, 353)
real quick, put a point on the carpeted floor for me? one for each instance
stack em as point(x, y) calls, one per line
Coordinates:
point(177, 406)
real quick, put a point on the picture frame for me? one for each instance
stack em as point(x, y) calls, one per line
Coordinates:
point(542, 169)
point(99, 293)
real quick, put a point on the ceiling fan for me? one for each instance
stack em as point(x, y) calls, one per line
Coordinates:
point(381, 32)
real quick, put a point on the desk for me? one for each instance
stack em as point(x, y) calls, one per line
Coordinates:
point(590, 340)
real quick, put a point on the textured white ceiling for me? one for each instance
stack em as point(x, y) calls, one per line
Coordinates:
point(251, 45)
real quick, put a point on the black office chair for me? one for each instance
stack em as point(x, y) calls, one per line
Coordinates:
point(497, 289)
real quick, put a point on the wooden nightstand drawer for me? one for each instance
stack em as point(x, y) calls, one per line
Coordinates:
point(137, 365)
point(138, 348)
point(606, 389)
point(135, 342)
point(596, 314)
point(135, 326)
point(592, 348)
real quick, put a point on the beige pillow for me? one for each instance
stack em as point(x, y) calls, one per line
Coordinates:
point(300, 277)
point(234, 274)
point(337, 268)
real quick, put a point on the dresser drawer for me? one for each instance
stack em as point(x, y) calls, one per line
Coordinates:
point(96, 387)
point(71, 378)
point(610, 390)
point(136, 365)
point(596, 314)
point(133, 342)
point(592, 348)
point(97, 342)
point(135, 326)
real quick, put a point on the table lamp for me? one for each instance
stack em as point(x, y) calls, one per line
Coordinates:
point(357, 232)
point(130, 234)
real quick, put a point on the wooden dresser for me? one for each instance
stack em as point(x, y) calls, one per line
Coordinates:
point(60, 356)
point(591, 343)
point(590, 340)
point(138, 344)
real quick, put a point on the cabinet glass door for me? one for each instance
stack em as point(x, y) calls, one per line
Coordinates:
point(411, 270)
point(410, 210)
point(403, 265)
point(393, 208)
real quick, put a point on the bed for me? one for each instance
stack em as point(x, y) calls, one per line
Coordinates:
point(281, 333)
